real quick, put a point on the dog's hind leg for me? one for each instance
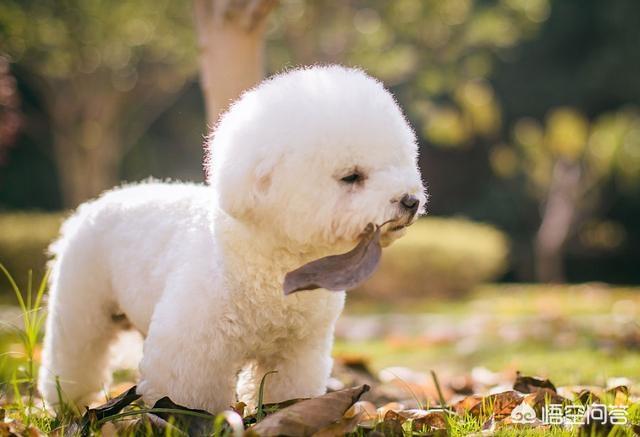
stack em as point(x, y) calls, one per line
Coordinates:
point(79, 328)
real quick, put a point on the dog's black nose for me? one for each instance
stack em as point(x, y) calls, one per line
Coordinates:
point(410, 202)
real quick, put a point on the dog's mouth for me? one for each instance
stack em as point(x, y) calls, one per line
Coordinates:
point(396, 225)
point(397, 228)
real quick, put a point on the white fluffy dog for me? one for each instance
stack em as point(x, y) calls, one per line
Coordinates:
point(297, 168)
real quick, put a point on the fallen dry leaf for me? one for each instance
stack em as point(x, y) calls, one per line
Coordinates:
point(195, 425)
point(115, 405)
point(339, 272)
point(391, 406)
point(393, 415)
point(16, 428)
point(434, 420)
point(271, 408)
point(309, 416)
point(499, 404)
point(112, 407)
point(587, 397)
point(361, 414)
point(348, 424)
point(421, 420)
point(367, 410)
point(530, 384)
point(466, 404)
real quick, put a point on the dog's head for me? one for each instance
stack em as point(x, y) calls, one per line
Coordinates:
point(316, 154)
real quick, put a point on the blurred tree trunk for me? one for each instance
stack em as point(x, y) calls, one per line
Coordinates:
point(231, 41)
point(86, 117)
point(87, 162)
point(93, 125)
point(558, 218)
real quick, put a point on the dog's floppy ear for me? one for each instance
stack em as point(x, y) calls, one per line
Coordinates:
point(242, 189)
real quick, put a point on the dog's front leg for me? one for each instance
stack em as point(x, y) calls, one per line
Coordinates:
point(188, 356)
point(303, 369)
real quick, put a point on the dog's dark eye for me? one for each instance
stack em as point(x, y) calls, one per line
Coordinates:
point(352, 178)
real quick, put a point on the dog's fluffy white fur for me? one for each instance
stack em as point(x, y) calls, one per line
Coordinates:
point(198, 269)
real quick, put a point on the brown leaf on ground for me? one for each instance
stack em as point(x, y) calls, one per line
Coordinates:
point(117, 390)
point(271, 408)
point(433, 421)
point(354, 416)
point(112, 407)
point(367, 410)
point(13, 428)
point(391, 406)
point(339, 272)
point(421, 420)
point(499, 404)
point(115, 405)
point(309, 416)
point(394, 415)
point(530, 384)
point(195, 425)
point(466, 404)
point(587, 397)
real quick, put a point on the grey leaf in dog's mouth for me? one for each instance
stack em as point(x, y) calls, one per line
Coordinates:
point(339, 272)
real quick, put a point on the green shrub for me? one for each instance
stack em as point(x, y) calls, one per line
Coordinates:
point(439, 256)
point(24, 238)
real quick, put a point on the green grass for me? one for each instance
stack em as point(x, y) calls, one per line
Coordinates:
point(21, 376)
point(566, 333)
point(573, 366)
point(513, 300)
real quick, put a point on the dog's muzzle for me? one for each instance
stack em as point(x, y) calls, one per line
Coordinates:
point(409, 206)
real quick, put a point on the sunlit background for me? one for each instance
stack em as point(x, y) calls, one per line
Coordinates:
point(528, 118)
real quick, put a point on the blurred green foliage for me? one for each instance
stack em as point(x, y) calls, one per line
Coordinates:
point(609, 146)
point(436, 55)
point(103, 72)
point(24, 240)
point(439, 257)
point(121, 40)
point(481, 81)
